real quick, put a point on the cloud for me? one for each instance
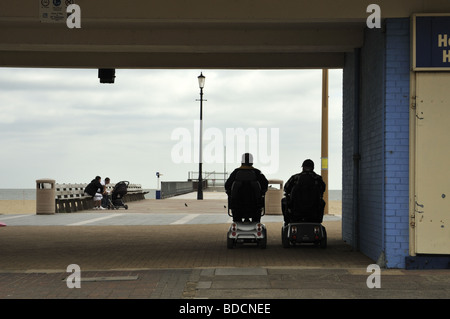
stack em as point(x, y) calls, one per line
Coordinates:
point(65, 125)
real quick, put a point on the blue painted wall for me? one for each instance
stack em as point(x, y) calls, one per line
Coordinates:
point(371, 144)
point(383, 144)
point(397, 142)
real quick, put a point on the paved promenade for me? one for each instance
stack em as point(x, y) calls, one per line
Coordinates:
point(176, 249)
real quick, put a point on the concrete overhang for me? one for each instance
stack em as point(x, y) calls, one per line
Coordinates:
point(194, 34)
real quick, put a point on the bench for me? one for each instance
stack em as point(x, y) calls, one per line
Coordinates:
point(70, 198)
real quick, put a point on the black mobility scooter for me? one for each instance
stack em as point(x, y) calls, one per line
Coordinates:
point(303, 210)
point(246, 206)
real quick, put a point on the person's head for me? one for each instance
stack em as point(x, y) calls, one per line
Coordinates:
point(247, 159)
point(308, 165)
point(98, 178)
point(107, 180)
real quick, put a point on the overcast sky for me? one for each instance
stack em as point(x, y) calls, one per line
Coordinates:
point(63, 124)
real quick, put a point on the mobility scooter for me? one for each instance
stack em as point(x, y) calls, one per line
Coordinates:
point(303, 211)
point(246, 207)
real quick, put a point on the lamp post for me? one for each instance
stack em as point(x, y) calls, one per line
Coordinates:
point(201, 84)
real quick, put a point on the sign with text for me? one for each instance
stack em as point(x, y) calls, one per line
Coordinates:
point(53, 11)
point(431, 42)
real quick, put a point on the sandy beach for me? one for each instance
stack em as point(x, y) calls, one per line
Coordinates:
point(17, 207)
point(29, 206)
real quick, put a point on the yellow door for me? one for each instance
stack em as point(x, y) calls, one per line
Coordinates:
point(432, 158)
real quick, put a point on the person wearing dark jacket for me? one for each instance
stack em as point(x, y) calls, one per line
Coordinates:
point(247, 165)
point(311, 184)
point(95, 189)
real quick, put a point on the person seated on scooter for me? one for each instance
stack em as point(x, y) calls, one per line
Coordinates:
point(307, 187)
point(242, 203)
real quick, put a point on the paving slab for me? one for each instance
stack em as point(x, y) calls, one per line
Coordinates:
point(240, 272)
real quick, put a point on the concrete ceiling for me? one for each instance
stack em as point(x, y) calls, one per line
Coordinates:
point(195, 33)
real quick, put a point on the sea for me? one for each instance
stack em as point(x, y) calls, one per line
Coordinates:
point(30, 194)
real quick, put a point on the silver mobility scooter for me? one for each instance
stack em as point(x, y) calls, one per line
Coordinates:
point(303, 211)
point(246, 207)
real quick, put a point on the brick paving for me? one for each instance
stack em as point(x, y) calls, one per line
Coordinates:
point(50, 248)
point(190, 261)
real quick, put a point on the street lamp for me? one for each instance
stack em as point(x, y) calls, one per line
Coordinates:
point(201, 84)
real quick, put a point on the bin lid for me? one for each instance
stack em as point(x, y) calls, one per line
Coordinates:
point(275, 181)
point(45, 180)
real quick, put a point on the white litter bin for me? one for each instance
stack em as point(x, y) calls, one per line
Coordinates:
point(273, 197)
point(45, 196)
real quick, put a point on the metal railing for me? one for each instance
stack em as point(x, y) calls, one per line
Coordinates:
point(214, 179)
point(169, 189)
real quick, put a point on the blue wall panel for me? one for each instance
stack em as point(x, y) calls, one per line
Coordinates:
point(383, 142)
point(397, 142)
point(371, 143)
